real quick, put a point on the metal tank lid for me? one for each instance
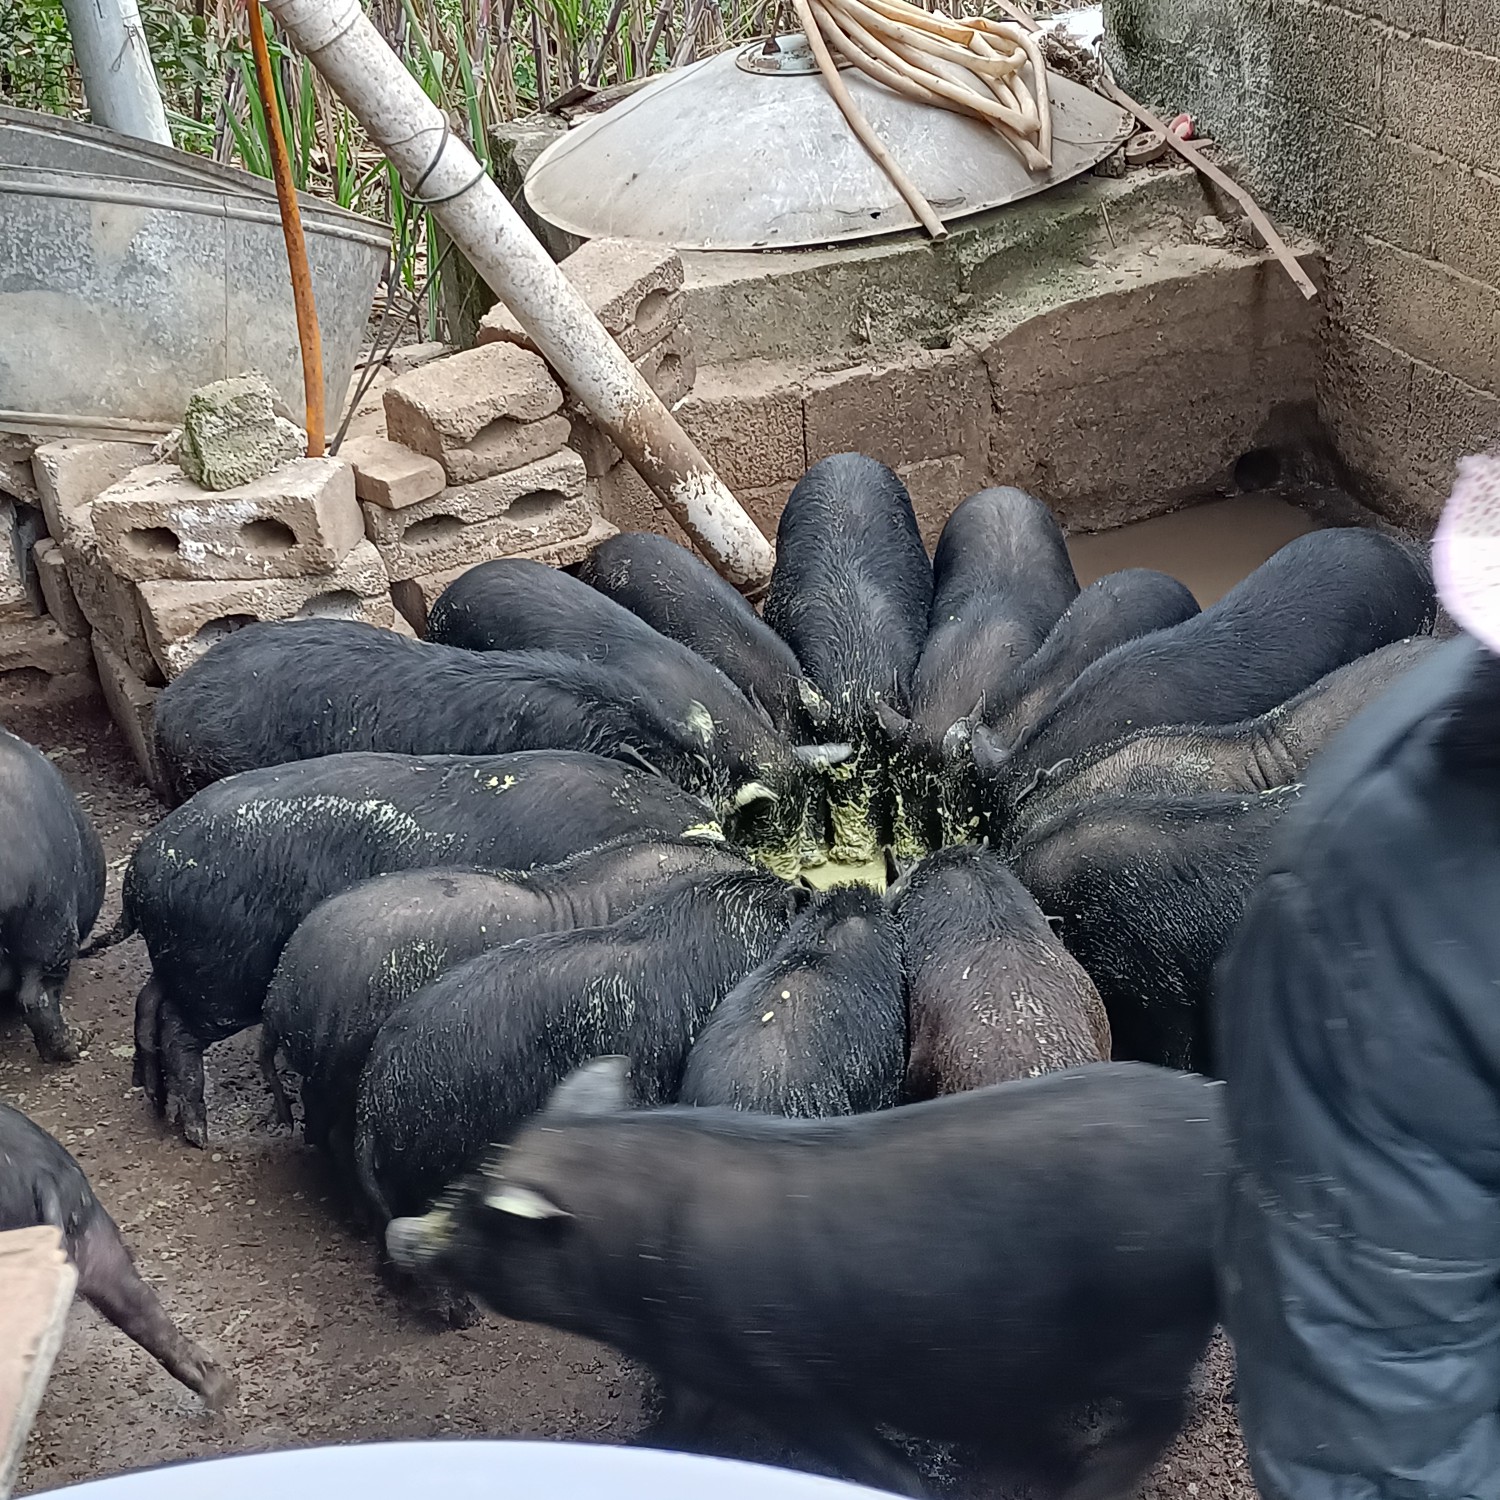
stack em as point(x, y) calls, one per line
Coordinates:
point(748, 151)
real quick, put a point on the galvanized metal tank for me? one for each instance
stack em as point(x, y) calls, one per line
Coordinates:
point(131, 274)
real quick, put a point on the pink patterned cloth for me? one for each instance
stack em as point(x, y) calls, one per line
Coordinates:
point(1466, 549)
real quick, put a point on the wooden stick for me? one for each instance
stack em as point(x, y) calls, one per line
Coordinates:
point(1253, 211)
point(1039, 81)
point(850, 49)
point(861, 127)
point(308, 335)
point(923, 40)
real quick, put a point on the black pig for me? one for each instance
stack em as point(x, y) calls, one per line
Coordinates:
point(819, 1028)
point(1321, 601)
point(218, 887)
point(978, 1269)
point(51, 888)
point(993, 994)
point(1147, 891)
point(296, 689)
point(850, 593)
point(462, 1063)
point(1255, 755)
point(41, 1184)
point(357, 956)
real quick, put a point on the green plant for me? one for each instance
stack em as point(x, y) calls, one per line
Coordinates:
point(36, 61)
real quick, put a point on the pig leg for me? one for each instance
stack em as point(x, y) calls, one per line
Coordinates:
point(41, 1005)
point(108, 1279)
point(856, 1452)
point(182, 1077)
point(273, 1077)
point(1115, 1467)
point(146, 1072)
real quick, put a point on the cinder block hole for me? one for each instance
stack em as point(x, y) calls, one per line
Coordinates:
point(24, 682)
point(336, 604)
point(151, 541)
point(1257, 469)
point(495, 437)
point(534, 505)
point(652, 312)
point(267, 535)
point(431, 529)
point(668, 370)
point(216, 630)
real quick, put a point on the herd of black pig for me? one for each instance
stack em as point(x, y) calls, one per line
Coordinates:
point(564, 880)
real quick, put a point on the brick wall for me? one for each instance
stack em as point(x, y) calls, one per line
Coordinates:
point(1375, 124)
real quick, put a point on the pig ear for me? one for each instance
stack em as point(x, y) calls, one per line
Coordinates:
point(601, 1087)
point(814, 704)
point(700, 722)
point(989, 754)
point(823, 756)
point(895, 726)
point(958, 741)
point(523, 1202)
point(752, 792)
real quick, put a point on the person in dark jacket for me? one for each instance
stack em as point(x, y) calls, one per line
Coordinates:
point(1359, 1020)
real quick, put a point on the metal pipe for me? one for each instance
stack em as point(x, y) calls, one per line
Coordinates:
point(118, 79)
point(441, 172)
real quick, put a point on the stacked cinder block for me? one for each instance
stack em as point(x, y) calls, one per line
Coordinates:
point(635, 290)
point(41, 647)
point(474, 465)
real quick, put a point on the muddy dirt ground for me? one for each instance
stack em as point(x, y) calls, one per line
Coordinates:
point(247, 1247)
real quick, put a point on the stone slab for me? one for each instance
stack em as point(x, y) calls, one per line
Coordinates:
point(533, 506)
point(388, 474)
point(449, 403)
point(72, 473)
point(414, 597)
point(301, 518)
point(632, 286)
point(57, 592)
point(131, 704)
point(183, 619)
point(37, 1281)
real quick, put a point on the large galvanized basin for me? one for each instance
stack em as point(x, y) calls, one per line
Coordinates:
point(131, 274)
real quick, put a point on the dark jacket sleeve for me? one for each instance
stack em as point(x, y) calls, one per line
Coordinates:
point(1359, 1017)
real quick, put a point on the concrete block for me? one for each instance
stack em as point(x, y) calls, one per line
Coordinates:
point(39, 646)
point(387, 474)
point(1466, 221)
point(598, 453)
point(1432, 93)
point(1380, 185)
point(414, 597)
point(626, 500)
point(456, 410)
point(632, 286)
point(534, 506)
point(671, 367)
point(1337, 55)
point(183, 619)
point(930, 404)
point(57, 592)
point(414, 356)
point(505, 445)
point(235, 432)
point(747, 421)
point(937, 486)
point(1474, 24)
point(131, 704)
point(73, 473)
point(16, 602)
point(36, 1289)
point(109, 603)
point(1449, 419)
point(1426, 310)
point(302, 518)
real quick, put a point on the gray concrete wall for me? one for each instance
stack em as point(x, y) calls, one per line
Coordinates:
point(1374, 124)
